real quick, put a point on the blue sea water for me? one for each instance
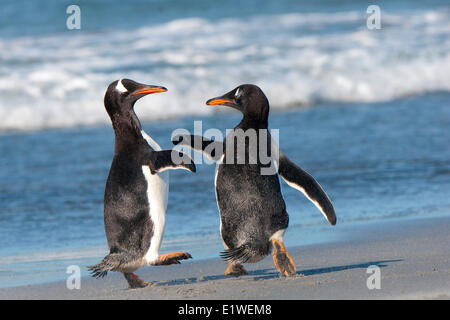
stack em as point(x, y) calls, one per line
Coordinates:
point(366, 112)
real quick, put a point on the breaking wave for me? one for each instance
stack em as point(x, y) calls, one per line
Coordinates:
point(59, 80)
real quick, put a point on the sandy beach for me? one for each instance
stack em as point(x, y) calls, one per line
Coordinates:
point(412, 255)
point(359, 97)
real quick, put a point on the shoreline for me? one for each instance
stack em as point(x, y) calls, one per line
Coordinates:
point(412, 255)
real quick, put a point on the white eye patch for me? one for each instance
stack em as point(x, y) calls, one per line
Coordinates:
point(120, 87)
point(237, 92)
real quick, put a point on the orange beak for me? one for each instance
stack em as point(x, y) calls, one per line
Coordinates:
point(151, 90)
point(215, 102)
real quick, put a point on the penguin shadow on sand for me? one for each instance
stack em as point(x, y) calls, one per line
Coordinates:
point(271, 273)
point(191, 280)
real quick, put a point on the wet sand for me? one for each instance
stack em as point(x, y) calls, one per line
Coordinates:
point(413, 256)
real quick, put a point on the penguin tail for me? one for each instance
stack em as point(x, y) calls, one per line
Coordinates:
point(109, 263)
point(248, 252)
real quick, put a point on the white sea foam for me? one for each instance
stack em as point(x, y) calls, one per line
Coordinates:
point(59, 81)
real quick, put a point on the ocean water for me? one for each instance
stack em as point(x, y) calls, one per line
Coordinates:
point(299, 53)
point(366, 112)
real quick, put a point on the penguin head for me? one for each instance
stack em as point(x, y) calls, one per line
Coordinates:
point(122, 94)
point(247, 98)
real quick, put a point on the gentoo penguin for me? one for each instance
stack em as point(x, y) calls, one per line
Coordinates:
point(136, 191)
point(252, 210)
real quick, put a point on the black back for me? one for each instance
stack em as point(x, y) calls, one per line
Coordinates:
point(251, 205)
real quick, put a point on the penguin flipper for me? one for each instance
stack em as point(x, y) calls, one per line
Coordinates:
point(301, 180)
point(210, 148)
point(159, 161)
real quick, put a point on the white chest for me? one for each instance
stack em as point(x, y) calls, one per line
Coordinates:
point(157, 194)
